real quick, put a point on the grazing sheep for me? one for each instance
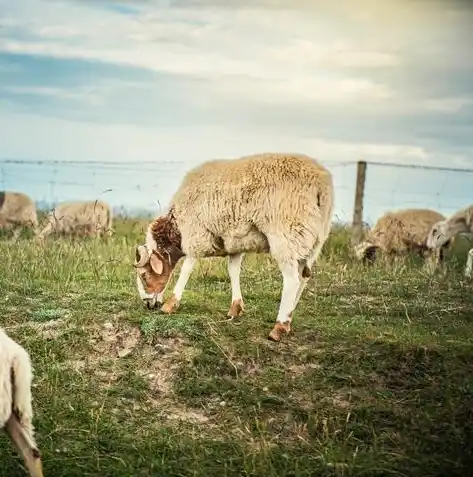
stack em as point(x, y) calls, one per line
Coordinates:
point(274, 203)
point(400, 232)
point(16, 411)
point(444, 231)
point(83, 218)
point(17, 210)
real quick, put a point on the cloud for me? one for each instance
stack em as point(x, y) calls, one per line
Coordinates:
point(340, 54)
point(343, 80)
point(449, 105)
point(60, 93)
point(136, 143)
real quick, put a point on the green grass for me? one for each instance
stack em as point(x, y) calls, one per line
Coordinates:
point(375, 381)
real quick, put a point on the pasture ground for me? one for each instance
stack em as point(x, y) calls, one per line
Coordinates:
point(376, 379)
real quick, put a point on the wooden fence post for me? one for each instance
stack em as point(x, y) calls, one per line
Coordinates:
point(357, 226)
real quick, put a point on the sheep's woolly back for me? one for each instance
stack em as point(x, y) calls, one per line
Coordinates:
point(17, 208)
point(403, 230)
point(88, 217)
point(15, 382)
point(253, 202)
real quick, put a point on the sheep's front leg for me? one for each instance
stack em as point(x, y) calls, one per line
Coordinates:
point(290, 289)
point(469, 264)
point(234, 270)
point(186, 270)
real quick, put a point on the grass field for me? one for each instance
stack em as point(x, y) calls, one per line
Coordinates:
point(376, 379)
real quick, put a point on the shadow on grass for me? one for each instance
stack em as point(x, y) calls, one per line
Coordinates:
point(400, 410)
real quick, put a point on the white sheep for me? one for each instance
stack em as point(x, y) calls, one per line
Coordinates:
point(461, 222)
point(80, 218)
point(274, 203)
point(16, 411)
point(399, 233)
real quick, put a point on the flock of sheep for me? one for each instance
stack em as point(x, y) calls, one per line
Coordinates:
point(79, 218)
point(274, 203)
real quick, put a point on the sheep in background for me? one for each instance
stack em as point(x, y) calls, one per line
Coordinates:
point(17, 210)
point(16, 412)
point(274, 203)
point(444, 231)
point(82, 218)
point(400, 232)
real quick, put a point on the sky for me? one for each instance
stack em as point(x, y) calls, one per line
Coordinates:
point(190, 80)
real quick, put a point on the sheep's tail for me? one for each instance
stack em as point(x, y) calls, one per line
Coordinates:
point(19, 426)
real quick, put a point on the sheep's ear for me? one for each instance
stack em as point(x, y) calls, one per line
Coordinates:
point(156, 264)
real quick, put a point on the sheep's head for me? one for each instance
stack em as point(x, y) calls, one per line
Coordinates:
point(153, 270)
point(443, 231)
point(365, 251)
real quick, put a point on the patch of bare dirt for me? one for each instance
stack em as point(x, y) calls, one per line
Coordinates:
point(49, 330)
point(117, 340)
point(76, 364)
point(252, 368)
point(341, 400)
point(158, 363)
point(181, 413)
point(301, 369)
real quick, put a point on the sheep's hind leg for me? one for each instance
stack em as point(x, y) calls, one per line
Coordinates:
point(234, 270)
point(305, 272)
point(290, 290)
point(469, 264)
point(186, 270)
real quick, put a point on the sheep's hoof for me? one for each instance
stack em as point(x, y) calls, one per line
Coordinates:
point(236, 309)
point(278, 330)
point(171, 305)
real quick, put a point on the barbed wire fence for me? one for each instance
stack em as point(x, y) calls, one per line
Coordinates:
point(381, 187)
point(364, 190)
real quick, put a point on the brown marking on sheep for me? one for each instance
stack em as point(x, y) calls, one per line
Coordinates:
point(157, 270)
point(369, 256)
point(153, 281)
point(306, 273)
point(167, 236)
point(279, 329)
point(171, 305)
point(236, 308)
